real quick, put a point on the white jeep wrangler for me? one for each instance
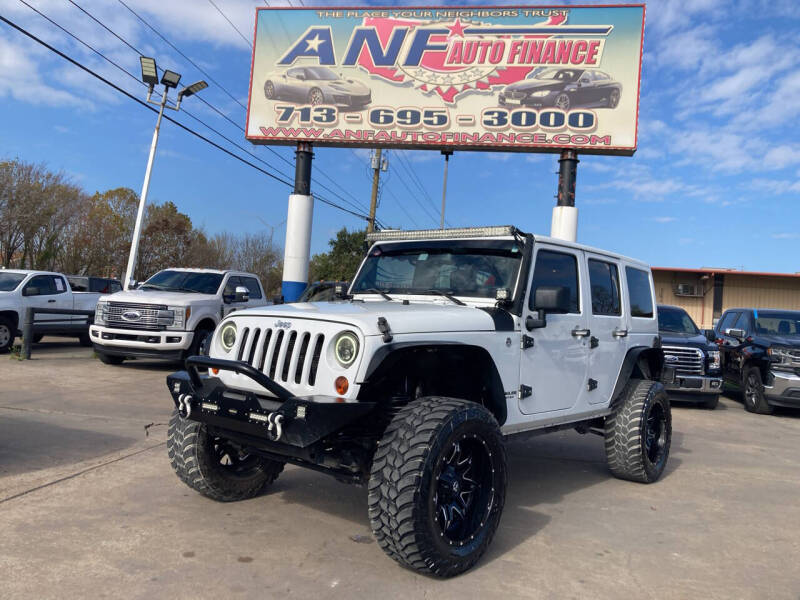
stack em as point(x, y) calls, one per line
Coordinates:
point(448, 342)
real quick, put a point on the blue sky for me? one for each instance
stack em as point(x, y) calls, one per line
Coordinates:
point(715, 182)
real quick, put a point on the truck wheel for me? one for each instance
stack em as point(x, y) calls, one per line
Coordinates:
point(710, 403)
point(6, 335)
point(217, 468)
point(639, 432)
point(438, 485)
point(753, 386)
point(108, 359)
point(200, 342)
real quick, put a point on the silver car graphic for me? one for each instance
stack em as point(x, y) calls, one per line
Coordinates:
point(317, 85)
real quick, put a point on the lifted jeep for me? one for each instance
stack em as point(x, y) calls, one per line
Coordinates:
point(447, 343)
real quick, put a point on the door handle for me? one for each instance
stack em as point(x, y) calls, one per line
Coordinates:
point(577, 332)
point(52, 300)
point(620, 333)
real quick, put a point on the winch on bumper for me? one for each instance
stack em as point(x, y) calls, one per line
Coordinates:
point(272, 424)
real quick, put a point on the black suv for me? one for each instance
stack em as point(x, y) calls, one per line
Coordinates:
point(761, 356)
point(693, 354)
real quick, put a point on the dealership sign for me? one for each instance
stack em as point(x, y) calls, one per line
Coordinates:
point(533, 79)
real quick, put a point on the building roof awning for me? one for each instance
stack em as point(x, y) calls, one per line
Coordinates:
point(710, 271)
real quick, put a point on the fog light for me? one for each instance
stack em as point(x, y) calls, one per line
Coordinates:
point(341, 384)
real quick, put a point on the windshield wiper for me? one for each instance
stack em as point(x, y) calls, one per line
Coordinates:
point(375, 291)
point(154, 286)
point(448, 296)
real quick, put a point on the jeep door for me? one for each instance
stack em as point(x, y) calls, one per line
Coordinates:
point(607, 341)
point(553, 370)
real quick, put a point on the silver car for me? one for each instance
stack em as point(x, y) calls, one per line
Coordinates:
point(317, 85)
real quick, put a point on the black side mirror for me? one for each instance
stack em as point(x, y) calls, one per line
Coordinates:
point(547, 299)
point(739, 334)
point(32, 291)
point(242, 294)
point(710, 334)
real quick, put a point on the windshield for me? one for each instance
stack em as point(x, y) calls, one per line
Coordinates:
point(783, 323)
point(321, 73)
point(559, 74)
point(676, 321)
point(10, 281)
point(184, 281)
point(475, 269)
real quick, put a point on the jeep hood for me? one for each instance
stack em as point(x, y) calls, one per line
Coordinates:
point(415, 317)
point(156, 297)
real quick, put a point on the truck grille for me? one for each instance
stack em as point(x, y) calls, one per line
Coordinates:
point(149, 315)
point(283, 355)
point(687, 361)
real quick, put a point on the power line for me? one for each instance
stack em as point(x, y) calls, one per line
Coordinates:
point(414, 178)
point(150, 108)
point(224, 16)
point(214, 108)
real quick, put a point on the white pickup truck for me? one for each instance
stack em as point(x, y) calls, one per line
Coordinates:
point(171, 315)
point(21, 289)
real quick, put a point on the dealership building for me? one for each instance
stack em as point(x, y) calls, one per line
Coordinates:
point(706, 293)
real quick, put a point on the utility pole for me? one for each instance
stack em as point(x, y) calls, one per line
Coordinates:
point(376, 177)
point(298, 227)
point(447, 154)
point(565, 215)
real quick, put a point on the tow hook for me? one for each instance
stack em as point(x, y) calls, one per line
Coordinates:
point(275, 428)
point(185, 405)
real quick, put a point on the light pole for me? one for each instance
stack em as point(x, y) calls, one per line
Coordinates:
point(169, 80)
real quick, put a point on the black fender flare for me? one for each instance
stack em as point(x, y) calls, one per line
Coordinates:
point(645, 362)
point(389, 354)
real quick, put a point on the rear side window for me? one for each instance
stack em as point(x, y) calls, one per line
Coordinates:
point(556, 269)
point(78, 284)
point(252, 287)
point(639, 291)
point(604, 281)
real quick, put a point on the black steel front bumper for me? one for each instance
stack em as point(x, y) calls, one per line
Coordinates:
point(302, 420)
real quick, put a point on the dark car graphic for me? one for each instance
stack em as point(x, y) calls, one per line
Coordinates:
point(317, 85)
point(564, 89)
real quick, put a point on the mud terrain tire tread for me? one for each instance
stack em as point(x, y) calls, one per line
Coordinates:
point(625, 430)
point(187, 450)
point(408, 450)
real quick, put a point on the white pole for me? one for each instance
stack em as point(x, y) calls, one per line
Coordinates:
point(298, 246)
point(137, 229)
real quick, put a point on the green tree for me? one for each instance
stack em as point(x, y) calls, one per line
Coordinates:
point(343, 259)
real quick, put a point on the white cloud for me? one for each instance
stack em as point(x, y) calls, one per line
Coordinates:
point(664, 219)
point(785, 236)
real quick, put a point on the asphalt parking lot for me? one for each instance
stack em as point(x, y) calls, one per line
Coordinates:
point(89, 507)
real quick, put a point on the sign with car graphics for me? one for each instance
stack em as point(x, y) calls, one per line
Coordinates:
point(532, 79)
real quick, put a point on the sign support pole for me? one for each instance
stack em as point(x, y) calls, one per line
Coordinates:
point(298, 227)
point(565, 215)
point(447, 155)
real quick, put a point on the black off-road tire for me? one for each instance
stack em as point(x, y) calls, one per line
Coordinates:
point(711, 402)
point(753, 392)
point(429, 446)
point(7, 335)
point(639, 432)
point(196, 457)
point(110, 359)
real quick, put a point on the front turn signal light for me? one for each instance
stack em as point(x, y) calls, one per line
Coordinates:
point(342, 385)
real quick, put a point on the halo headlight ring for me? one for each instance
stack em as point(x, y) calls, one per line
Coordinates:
point(227, 336)
point(345, 348)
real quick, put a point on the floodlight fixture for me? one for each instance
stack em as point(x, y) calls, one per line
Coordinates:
point(170, 79)
point(149, 70)
point(191, 90)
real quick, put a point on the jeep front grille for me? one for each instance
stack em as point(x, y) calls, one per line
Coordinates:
point(152, 317)
point(687, 361)
point(282, 354)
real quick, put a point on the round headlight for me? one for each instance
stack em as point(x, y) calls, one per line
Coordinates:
point(227, 337)
point(346, 348)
